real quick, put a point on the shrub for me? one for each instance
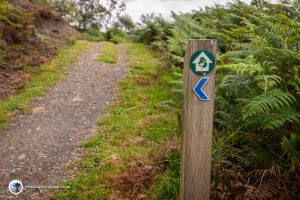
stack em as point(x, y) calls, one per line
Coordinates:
point(93, 34)
point(14, 27)
point(115, 35)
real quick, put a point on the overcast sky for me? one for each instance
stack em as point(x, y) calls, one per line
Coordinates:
point(135, 8)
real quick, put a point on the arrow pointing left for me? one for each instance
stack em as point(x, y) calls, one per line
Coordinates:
point(198, 89)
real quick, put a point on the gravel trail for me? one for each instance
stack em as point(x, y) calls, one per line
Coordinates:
point(36, 147)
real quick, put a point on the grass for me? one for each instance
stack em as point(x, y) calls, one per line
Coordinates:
point(109, 53)
point(134, 115)
point(93, 38)
point(46, 76)
point(167, 184)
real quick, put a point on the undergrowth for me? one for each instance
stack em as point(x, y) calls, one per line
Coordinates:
point(168, 183)
point(46, 76)
point(94, 35)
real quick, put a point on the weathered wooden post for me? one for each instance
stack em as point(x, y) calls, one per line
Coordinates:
point(199, 91)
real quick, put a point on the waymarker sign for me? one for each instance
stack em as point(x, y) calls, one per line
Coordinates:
point(198, 111)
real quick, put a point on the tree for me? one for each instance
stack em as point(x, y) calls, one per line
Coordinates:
point(84, 14)
point(125, 21)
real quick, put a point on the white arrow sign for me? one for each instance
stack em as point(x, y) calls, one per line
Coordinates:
point(201, 67)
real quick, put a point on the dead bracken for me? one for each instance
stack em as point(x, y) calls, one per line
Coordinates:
point(141, 175)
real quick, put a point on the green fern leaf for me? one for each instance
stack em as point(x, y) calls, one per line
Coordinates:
point(278, 119)
point(267, 82)
point(270, 101)
point(243, 68)
point(289, 147)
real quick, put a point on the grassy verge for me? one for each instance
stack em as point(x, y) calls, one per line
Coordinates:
point(46, 76)
point(109, 53)
point(130, 136)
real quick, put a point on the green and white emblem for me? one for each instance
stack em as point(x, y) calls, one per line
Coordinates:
point(202, 62)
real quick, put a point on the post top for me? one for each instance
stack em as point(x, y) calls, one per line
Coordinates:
point(211, 42)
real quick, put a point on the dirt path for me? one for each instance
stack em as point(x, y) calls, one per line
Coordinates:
point(36, 147)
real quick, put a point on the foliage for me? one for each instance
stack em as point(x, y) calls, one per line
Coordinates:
point(86, 14)
point(257, 114)
point(125, 22)
point(174, 104)
point(93, 34)
point(167, 184)
point(42, 37)
point(256, 84)
point(13, 26)
point(115, 35)
point(290, 149)
point(153, 30)
point(41, 2)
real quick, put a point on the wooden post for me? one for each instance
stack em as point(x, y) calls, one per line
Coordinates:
point(197, 128)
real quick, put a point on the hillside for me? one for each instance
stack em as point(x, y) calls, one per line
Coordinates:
point(29, 36)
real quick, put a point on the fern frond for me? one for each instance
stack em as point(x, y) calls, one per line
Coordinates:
point(267, 82)
point(176, 58)
point(238, 83)
point(270, 101)
point(243, 68)
point(278, 119)
point(177, 91)
point(177, 83)
point(168, 106)
point(178, 75)
point(289, 147)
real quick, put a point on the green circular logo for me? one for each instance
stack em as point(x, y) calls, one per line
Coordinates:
point(202, 62)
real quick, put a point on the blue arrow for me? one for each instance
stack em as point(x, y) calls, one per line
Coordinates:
point(198, 89)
